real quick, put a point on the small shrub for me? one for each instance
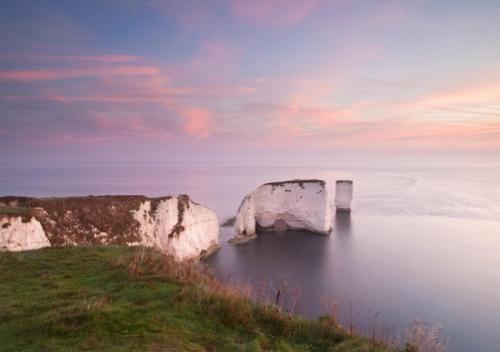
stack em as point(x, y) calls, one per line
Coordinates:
point(410, 348)
point(229, 222)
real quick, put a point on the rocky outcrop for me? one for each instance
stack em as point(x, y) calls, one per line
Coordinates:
point(18, 234)
point(343, 195)
point(177, 226)
point(297, 204)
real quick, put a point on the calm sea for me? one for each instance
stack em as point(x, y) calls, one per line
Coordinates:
point(422, 241)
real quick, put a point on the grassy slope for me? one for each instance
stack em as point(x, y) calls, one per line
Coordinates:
point(84, 299)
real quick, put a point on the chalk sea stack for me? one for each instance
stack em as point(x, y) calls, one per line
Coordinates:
point(343, 195)
point(296, 204)
point(175, 225)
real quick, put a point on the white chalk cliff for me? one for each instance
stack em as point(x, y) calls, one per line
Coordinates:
point(297, 204)
point(179, 227)
point(19, 234)
point(176, 226)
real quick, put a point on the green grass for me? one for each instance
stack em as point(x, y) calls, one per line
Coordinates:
point(89, 299)
point(14, 211)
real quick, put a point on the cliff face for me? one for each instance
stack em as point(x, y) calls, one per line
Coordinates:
point(297, 204)
point(177, 226)
point(17, 234)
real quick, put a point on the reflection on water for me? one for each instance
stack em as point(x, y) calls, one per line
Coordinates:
point(403, 268)
point(342, 223)
point(423, 240)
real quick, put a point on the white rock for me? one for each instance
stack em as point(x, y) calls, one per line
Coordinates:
point(147, 225)
point(179, 227)
point(19, 235)
point(300, 204)
point(343, 195)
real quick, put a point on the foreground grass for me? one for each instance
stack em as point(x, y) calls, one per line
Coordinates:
point(94, 299)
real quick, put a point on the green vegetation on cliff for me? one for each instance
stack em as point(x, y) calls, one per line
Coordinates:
point(129, 299)
point(14, 211)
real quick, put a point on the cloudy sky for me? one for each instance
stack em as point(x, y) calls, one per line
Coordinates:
point(217, 80)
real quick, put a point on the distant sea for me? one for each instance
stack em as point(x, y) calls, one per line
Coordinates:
point(422, 241)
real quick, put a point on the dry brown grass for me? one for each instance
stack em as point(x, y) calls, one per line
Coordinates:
point(230, 301)
point(423, 337)
point(186, 272)
point(284, 297)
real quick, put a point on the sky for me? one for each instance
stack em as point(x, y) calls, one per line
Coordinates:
point(240, 80)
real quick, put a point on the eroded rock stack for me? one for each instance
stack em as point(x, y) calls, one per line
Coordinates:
point(296, 204)
point(343, 195)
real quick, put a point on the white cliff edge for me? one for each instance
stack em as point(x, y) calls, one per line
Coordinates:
point(19, 234)
point(176, 226)
point(343, 195)
point(179, 227)
point(297, 204)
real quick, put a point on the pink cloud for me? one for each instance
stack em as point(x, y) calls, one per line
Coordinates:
point(301, 120)
point(82, 66)
point(53, 95)
point(122, 127)
point(460, 103)
point(96, 128)
point(310, 118)
point(213, 62)
point(112, 59)
point(124, 91)
point(403, 134)
point(99, 58)
point(69, 73)
point(198, 122)
point(206, 76)
point(72, 138)
point(465, 95)
point(27, 75)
